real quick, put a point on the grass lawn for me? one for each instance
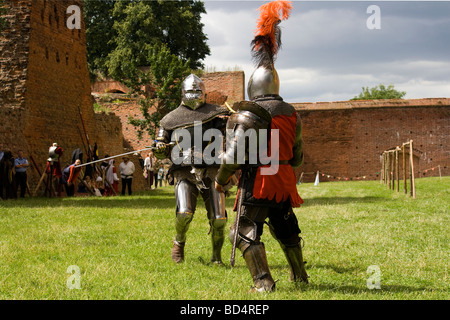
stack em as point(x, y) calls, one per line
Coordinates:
point(121, 247)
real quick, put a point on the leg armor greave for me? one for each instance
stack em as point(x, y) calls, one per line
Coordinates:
point(293, 252)
point(254, 253)
point(256, 260)
point(182, 222)
point(217, 238)
point(215, 206)
point(186, 198)
point(294, 257)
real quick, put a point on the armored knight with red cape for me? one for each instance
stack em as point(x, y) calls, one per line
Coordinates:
point(269, 195)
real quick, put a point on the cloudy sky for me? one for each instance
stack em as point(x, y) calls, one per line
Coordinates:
point(329, 52)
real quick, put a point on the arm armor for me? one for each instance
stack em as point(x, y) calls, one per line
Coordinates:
point(297, 159)
point(240, 127)
point(163, 136)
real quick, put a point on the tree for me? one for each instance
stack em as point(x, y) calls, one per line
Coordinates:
point(165, 74)
point(133, 25)
point(153, 46)
point(380, 92)
point(3, 11)
point(100, 34)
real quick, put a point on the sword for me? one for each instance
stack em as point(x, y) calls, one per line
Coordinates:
point(122, 154)
point(236, 221)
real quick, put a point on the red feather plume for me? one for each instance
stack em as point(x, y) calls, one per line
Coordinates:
point(267, 39)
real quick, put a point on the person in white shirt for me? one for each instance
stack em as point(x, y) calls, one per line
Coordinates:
point(148, 167)
point(126, 170)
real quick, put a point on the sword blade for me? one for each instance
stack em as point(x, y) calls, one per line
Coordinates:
point(112, 157)
point(122, 154)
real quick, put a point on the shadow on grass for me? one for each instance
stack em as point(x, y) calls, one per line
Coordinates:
point(357, 290)
point(163, 199)
point(337, 269)
point(329, 287)
point(323, 201)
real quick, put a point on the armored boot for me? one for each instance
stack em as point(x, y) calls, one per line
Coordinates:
point(256, 259)
point(217, 239)
point(294, 257)
point(182, 222)
point(178, 251)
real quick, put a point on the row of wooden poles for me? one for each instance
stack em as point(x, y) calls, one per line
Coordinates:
point(390, 171)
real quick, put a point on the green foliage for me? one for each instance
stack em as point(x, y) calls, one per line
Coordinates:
point(122, 246)
point(133, 25)
point(3, 11)
point(100, 108)
point(150, 46)
point(380, 92)
point(100, 34)
point(158, 87)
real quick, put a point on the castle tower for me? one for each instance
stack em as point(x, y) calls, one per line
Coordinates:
point(44, 82)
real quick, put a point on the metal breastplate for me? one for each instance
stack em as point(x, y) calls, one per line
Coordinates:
point(191, 144)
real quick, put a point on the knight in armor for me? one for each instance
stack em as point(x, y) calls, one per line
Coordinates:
point(269, 195)
point(53, 164)
point(193, 176)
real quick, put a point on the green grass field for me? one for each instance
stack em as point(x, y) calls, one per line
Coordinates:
point(122, 245)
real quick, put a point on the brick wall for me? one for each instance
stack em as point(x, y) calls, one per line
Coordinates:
point(14, 43)
point(45, 85)
point(111, 134)
point(229, 85)
point(345, 139)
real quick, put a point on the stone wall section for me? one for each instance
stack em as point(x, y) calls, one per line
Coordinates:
point(345, 139)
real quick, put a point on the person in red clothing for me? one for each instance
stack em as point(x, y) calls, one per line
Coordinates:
point(266, 191)
point(54, 154)
point(70, 176)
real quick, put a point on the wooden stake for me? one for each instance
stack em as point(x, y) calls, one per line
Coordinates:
point(397, 168)
point(404, 169)
point(413, 187)
point(39, 184)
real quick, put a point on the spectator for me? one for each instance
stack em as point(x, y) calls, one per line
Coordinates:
point(112, 185)
point(148, 170)
point(21, 165)
point(126, 170)
point(7, 168)
point(70, 176)
point(55, 153)
point(166, 176)
point(156, 164)
point(160, 176)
